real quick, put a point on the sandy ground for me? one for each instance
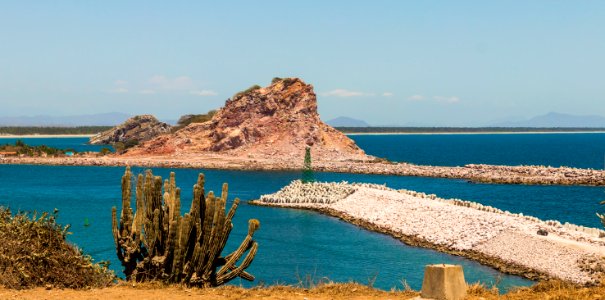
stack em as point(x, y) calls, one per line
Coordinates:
point(337, 291)
point(569, 252)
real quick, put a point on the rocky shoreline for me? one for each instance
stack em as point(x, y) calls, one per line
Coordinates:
point(536, 175)
point(512, 243)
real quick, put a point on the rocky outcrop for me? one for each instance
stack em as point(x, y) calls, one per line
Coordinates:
point(280, 120)
point(136, 129)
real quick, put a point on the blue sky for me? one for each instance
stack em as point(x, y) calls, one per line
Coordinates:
point(459, 63)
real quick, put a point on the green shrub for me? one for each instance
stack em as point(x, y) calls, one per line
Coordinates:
point(188, 119)
point(248, 90)
point(34, 252)
point(104, 151)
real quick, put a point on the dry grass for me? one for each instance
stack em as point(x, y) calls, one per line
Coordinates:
point(161, 291)
point(34, 252)
point(552, 289)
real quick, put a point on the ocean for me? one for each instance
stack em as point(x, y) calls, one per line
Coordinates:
point(295, 245)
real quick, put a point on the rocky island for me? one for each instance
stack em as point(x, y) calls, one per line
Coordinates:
point(269, 129)
point(138, 129)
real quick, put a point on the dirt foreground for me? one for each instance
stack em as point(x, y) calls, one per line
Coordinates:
point(146, 291)
point(542, 290)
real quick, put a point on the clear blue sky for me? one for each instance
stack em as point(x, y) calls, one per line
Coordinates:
point(387, 62)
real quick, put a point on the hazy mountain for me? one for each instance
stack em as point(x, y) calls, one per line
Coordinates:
point(554, 119)
point(347, 122)
point(105, 119)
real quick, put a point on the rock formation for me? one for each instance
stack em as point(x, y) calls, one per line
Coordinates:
point(138, 128)
point(278, 121)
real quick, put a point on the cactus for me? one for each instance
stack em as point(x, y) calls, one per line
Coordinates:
point(156, 243)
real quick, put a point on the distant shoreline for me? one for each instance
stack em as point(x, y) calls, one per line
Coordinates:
point(467, 130)
point(29, 136)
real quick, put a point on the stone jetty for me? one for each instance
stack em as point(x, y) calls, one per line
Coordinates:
point(512, 243)
point(533, 175)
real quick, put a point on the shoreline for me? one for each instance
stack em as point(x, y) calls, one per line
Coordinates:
point(410, 240)
point(29, 136)
point(505, 241)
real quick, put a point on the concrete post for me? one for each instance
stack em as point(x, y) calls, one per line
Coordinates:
point(443, 282)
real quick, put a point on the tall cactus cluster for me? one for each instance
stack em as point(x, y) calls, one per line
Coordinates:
point(156, 243)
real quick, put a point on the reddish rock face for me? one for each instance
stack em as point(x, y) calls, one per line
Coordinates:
point(280, 120)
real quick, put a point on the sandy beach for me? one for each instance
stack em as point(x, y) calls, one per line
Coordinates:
point(506, 241)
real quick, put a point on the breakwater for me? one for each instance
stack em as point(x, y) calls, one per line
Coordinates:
point(539, 175)
point(512, 243)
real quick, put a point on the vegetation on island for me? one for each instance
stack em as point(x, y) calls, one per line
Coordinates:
point(246, 91)
point(188, 119)
point(35, 130)
point(20, 148)
point(154, 242)
point(120, 147)
point(34, 252)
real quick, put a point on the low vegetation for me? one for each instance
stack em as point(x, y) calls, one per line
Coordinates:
point(246, 91)
point(155, 243)
point(551, 289)
point(27, 130)
point(188, 119)
point(34, 252)
point(120, 147)
point(20, 148)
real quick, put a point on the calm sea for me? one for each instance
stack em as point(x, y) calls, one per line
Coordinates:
point(297, 244)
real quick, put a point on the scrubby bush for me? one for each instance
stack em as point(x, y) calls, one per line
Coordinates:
point(188, 119)
point(104, 151)
point(34, 252)
point(23, 149)
point(248, 90)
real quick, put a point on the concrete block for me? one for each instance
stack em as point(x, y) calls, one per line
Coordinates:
point(443, 282)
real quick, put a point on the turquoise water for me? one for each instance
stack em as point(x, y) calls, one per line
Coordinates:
point(582, 150)
point(293, 243)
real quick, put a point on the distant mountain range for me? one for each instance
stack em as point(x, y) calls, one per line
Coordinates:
point(549, 120)
point(347, 122)
point(105, 119)
point(557, 120)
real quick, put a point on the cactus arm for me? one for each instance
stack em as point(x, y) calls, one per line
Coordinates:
point(246, 244)
point(220, 280)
